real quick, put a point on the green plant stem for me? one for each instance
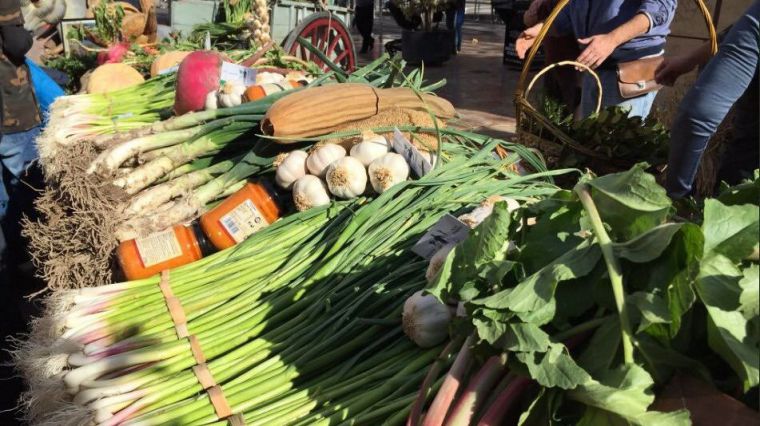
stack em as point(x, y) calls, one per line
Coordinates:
point(613, 268)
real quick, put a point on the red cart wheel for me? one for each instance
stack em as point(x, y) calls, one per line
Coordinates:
point(329, 35)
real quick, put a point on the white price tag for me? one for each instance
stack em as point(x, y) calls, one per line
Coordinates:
point(238, 74)
point(448, 230)
point(417, 163)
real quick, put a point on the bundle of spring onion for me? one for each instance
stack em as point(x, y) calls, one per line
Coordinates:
point(76, 118)
point(119, 186)
point(299, 324)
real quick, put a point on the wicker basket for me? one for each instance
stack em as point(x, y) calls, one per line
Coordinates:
point(536, 130)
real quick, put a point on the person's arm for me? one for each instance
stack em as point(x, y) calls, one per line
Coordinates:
point(534, 13)
point(674, 67)
point(653, 16)
point(601, 46)
point(562, 26)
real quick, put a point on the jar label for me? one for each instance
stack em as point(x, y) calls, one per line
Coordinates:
point(158, 247)
point(243, 220)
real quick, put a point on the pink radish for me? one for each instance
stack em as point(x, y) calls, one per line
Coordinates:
point(114, 54)
point(198, 74)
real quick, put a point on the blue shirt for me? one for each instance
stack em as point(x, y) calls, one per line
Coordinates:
point(585, 18)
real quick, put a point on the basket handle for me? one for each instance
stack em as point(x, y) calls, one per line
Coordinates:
point(520, 91)
point(574, 64)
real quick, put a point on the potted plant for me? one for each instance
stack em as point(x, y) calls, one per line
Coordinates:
point(423, 39)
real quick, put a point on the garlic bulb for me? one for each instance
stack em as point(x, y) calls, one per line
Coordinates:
point(346, 178)
point(292, 168)
point(231, 94)
point(387, 171)
point(436, 262)
point(309, 191)
point(425, 319)
point(370, 148)
point(211, 102)
point(321, 157)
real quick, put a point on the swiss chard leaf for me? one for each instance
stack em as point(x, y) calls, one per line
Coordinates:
point(602, 350)
point(653, 309)
point(478, 261)
point(554, 368)
point(648, 246)
point(621, 397)
point(542, 410)
point(732, 231)
point(744, 193)
point(749, 299)
point(555, 231)
point(536, 293)
point(730, 334)
point(630, 202)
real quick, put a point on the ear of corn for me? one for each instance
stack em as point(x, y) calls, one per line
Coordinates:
point(321, 110)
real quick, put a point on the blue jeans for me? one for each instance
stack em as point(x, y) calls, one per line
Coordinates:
point(725, 79)
point(458, 24)
point(611, 95)
point(17, 152)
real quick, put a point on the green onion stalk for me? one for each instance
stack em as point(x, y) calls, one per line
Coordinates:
point(281, 316)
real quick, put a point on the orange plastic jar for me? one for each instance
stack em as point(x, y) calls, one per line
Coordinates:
point(252, 208)
point(259, 91)
point(177, 246)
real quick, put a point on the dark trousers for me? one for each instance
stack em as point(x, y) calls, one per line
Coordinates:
point(364, 18)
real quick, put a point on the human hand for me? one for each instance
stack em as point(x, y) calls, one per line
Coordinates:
point(526, 40)
point(671, 68)
point(598, 49)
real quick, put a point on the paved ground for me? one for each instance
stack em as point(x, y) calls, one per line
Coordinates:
point(479, 85)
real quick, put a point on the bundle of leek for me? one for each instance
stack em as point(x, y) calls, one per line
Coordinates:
point(292, 322)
